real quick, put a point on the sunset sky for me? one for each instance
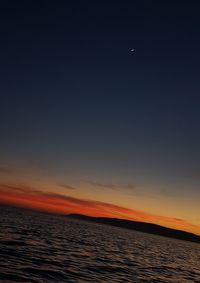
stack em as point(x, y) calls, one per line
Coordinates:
point(89, 126)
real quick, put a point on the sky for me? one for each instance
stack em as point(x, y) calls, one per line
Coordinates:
point(89, 126)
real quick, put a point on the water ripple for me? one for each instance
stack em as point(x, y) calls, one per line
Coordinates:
point(37, 248)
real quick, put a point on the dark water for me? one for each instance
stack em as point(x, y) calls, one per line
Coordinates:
point(36, 247)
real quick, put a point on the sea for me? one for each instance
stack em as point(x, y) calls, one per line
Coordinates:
point(38, 247)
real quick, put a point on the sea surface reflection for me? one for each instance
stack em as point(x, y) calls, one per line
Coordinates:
point(36, 247)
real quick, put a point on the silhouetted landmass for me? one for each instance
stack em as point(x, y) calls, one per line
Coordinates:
point(140, 226)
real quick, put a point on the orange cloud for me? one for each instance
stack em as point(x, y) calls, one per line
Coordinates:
point(56, 203)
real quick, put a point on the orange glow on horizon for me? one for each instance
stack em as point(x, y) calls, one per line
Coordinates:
point(59, 204)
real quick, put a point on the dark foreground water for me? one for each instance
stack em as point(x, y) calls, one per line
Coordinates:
point(36, 247)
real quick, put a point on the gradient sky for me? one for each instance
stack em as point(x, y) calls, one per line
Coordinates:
point(83, 117)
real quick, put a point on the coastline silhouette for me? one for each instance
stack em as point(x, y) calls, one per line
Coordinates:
point(140, 226)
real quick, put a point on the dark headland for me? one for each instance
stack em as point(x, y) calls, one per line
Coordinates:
point(140, 226)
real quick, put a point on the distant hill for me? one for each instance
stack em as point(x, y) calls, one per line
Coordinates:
point(140, 226)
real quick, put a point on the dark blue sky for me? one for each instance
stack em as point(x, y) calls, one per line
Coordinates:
point(76, 99)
